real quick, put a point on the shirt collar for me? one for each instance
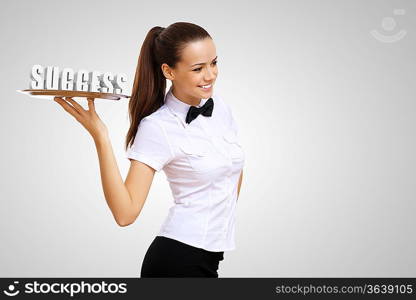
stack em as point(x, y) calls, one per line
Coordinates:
point(178, 107)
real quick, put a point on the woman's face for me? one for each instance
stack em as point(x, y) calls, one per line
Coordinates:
point(197, 67)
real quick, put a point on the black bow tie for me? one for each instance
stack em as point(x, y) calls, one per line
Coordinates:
point(205, 110)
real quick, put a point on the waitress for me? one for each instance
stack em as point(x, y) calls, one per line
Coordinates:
point(189, 133)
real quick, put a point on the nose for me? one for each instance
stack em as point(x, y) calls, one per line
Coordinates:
point(210, 75)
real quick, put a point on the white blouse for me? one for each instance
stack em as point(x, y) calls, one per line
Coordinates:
point(202, 161)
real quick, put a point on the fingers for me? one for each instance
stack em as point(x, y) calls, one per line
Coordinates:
point(78, 107)
point(75, 109)
point(69, 108)
point(91, 104)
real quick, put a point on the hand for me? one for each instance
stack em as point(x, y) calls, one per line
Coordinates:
point(88, 118)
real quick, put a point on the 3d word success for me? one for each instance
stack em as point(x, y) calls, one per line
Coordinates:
point(50, 78)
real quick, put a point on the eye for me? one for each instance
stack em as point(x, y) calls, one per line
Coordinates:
point(199, 69)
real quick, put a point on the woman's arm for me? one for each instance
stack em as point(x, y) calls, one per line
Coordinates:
point(239, 183)
point(125, 200)
point(115, 192)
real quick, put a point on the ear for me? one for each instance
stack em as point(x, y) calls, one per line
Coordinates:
point(167, 71)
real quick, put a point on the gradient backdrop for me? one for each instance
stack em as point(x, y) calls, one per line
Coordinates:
point(324, 95)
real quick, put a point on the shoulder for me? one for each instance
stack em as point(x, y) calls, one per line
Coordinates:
point(157, 123)
point(149, 125)
point(156, 117)
point(164, 118)
point(159, 114)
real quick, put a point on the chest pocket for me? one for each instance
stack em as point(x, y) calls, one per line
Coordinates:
point(234, 148)
point(197, 156)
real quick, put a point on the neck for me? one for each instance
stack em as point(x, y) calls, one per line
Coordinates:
point(186, 99)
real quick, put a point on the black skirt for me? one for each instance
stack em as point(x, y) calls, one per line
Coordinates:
point(168, 257)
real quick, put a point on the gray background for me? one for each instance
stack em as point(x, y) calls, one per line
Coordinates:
point(327, 119)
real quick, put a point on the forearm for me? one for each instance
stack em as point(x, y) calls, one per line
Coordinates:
point(115, 191)
point(239, 183)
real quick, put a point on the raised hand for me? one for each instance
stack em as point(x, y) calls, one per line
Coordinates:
point(89, 119)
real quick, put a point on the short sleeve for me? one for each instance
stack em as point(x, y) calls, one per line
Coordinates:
point(151, 145)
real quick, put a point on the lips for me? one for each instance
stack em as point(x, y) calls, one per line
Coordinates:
point(205, 87)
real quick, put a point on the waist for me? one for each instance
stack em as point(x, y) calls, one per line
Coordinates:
point(169, 242)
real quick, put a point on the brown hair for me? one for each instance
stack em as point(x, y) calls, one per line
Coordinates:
point(161, 45)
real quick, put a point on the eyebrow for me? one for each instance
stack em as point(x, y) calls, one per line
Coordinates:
point(204, 63)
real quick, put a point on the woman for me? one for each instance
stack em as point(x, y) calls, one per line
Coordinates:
point(190, 133)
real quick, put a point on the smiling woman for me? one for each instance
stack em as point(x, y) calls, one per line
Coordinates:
point(200, 154)
point(188, 132)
